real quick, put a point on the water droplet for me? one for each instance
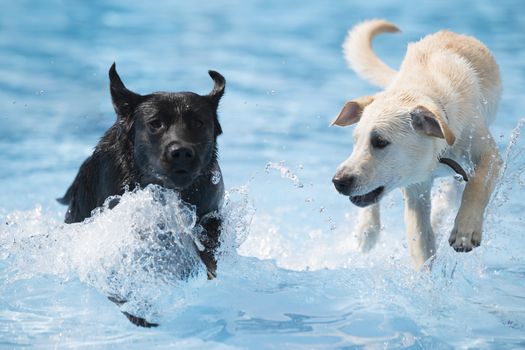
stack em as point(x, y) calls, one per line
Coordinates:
point(331, 224)
point(215, 177)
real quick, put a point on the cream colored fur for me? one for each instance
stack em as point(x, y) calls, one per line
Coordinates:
point(439, 104)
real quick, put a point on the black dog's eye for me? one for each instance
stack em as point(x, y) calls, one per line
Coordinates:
point(378, 141)
point(155, 124)
point(197, 123)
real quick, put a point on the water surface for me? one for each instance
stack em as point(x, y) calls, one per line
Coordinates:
point(290, 276)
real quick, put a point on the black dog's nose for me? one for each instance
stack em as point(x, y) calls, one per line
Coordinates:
point(343, 184)
point(179, 155)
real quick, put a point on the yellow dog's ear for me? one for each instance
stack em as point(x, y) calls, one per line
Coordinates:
point(352, 110)
point(431, 124)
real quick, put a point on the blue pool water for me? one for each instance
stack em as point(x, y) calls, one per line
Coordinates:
point(290, 276)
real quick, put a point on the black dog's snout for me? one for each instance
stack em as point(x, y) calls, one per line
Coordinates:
point(179, 155)
point(343, 184)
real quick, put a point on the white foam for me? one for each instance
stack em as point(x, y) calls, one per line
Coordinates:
point(138, 251)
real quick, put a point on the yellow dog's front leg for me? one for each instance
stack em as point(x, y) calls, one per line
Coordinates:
point(420, 236)
point(368, 228)
point(466, 234)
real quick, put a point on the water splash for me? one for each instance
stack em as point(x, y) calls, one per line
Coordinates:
point(142, 251)
point(237, 214)
point(507, 177)
point(285, 172)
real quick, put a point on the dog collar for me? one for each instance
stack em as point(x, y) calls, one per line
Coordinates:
point(455, 166)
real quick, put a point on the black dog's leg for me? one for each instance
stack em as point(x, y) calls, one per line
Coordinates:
point(211, 242)
point(137, 321)
point(212, 227)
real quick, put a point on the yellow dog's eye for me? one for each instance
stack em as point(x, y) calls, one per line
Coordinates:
point(378, 141)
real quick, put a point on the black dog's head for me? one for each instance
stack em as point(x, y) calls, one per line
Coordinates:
point(174, 134)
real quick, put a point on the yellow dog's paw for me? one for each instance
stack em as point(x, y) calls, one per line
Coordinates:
point(367, 237)
point(464, 240)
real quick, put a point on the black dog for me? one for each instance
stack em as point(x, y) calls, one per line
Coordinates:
point(162, 138)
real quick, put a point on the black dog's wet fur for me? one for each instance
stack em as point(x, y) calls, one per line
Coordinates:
point(114, 165)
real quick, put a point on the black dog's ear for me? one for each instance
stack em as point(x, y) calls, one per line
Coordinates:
point(124, 100)
point(218, 89)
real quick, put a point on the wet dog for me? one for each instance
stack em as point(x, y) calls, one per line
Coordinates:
point(435, 110)
point(163, 138)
